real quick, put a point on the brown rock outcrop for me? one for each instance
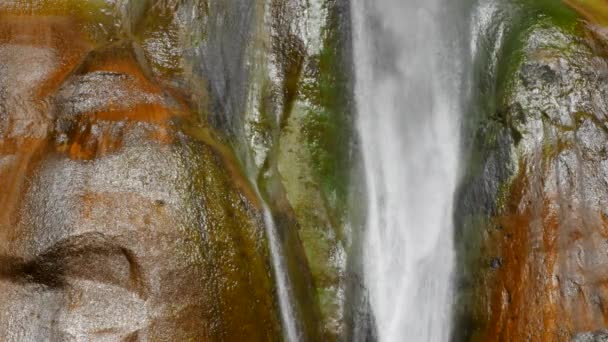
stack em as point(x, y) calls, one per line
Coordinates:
point(115, 224)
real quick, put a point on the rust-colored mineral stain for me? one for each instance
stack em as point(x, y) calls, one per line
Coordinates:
point(56, 33)
point(23, 154)
point(506, 297)
point(522, 303)
point(88, 143)
point(85, 145)
point(23, 151)
point(525, 301)
point(144, 112)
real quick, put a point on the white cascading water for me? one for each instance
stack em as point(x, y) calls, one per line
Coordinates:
point(288, 316)
point(409, 100)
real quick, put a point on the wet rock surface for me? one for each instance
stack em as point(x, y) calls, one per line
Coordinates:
point(298, 127)
point(116, 224)
point(123, 128)
point(596, 336)
point(550, 202)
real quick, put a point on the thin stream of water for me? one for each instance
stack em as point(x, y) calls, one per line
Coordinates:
point(288, 317)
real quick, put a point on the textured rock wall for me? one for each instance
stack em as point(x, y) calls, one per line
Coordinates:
point(120, 219)
point(133, 138)
point(540, 270)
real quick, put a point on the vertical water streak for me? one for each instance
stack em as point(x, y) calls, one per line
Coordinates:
point(284, 293)
point(225, 60)
point(409, 75)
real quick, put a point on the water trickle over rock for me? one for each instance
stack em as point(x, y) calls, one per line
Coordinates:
point(119, 221)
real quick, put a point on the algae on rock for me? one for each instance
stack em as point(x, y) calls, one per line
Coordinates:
point(543, 180)
point(121, 221)
point(300, 129)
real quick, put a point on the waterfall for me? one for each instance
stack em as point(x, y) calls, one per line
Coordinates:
point(409, 81)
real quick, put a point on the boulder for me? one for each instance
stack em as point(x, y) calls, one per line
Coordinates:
point(127, 225)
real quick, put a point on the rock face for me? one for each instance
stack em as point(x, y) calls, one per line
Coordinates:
point(299, 129)
point(274, 87)
point(596, 336)
point(270, 79)
point(544, 172)
point(118, 222)
point(126, 214)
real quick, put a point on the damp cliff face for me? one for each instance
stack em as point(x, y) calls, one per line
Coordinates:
point(188, 169)
point(120, 221)
point(298, 127)
point(532, 208)
point(139, 142)
point(283, 105)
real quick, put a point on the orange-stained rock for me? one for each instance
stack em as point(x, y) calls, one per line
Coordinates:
point(35, 56)
point(107, 95)
point(544, 263)
point(122, 218)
